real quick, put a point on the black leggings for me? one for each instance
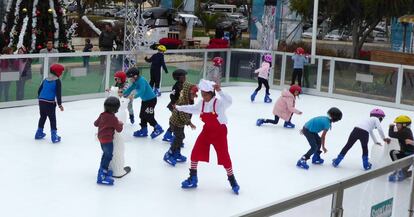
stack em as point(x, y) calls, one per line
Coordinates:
point(261, 81)
point(147, 113)
point(357, 134)
point(276, 120)
point(47, 110)
point(155, 78)
point(179, 137)
point(297, 73)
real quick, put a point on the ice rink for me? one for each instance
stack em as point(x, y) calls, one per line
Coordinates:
point(41, 179)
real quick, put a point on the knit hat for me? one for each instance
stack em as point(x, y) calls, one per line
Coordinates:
point(206, 85)
point(57, 69)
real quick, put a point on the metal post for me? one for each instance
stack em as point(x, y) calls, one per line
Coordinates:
point(331, 76)
point(46, 67)
point(228, 66)
point(411, 204)
point(399, 85)
point(107, 71)
point(272, 70)
point(314, 29)
point(205, 65)
point(319, 75)
point(283, 71)
point(337, 200)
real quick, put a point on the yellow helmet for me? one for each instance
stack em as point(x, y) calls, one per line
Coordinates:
point(162, 48)
point(403, 119)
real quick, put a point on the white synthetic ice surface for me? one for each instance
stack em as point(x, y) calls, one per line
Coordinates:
point(44, 179)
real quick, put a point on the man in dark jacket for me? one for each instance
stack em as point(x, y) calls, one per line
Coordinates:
point(106, 41)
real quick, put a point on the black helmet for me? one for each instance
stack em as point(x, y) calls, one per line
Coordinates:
point(178, 73)
point(112, 104)
point(335, 114)
point(132, 72)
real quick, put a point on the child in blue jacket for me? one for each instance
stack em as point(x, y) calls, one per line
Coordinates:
point(149, 101)
point(311, 130)
point(50, 92)
point(157, 61)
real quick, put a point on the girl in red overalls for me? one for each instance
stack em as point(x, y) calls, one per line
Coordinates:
point(214, 132)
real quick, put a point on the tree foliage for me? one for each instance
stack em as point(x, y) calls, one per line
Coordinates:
point(360, 16)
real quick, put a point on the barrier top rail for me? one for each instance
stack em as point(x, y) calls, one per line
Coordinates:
point(340, 185)
point(183, 51)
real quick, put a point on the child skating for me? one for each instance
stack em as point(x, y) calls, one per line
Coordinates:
point(299, 61)
point(178, 121)
point(401, 131)
point(107, 124)
point(311, 130)
point(361, 132)
point(263, 78)
point(157, 61)
point(179, 76)
point(149, 101)
point(284, 108)
point(121, 82)
point(214, 132)
point(50, 94)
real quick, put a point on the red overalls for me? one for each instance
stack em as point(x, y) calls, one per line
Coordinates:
point(213, 133)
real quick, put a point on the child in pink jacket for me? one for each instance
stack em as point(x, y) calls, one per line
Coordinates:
point(284, 107)
point(263, 78)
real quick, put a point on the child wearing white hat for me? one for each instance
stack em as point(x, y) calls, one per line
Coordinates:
point(212, 113)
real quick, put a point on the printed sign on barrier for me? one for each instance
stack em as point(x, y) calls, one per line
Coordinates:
point(383, 209)
point(9, 76)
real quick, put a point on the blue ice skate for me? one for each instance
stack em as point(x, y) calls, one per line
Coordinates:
point(103, 178)
point(55, 138)
point(267, 99)
point(316, 159)
point(288, 125)
point(40, 134)
point(367, 165)
point(179, 158)
point(168, 136)
point(234, 186)
point(143, 132)
point(336, 161)
point(259, 122)
point(157, 131)
point(253, 96)
point(169, 158)
point(192, 181)
point(302, 164)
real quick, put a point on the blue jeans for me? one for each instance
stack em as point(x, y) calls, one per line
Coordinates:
point(108, 149)
point(314, 141)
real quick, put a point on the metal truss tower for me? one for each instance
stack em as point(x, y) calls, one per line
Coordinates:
point(132, 30)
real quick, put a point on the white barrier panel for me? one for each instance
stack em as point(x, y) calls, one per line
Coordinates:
point(9, 76)
point(78, 72)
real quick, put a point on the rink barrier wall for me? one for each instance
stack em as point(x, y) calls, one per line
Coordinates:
point(335, 189)
point(389, 95)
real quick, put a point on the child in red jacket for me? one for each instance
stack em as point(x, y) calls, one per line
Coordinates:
point(107, 123)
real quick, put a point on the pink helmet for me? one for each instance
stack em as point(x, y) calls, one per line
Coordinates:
point(218, 61)
point(267, 58)
point(377, 113)
point(300, 51)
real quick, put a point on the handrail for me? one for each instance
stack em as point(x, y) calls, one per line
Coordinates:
point(340, 185)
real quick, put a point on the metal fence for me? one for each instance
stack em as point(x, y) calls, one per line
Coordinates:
point(337, 191)
point(88, 74)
